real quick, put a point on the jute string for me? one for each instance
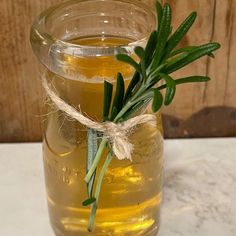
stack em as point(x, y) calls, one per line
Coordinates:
point(117, 133)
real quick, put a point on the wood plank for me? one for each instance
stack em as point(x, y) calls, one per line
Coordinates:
point(216, 22)
point(21, 94)
point(19, 79)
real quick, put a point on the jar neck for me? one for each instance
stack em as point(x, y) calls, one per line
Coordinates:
point(56, 27)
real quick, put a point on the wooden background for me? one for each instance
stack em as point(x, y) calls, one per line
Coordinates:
point(198, 111)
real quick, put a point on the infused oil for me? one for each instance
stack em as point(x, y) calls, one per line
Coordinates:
point(129, 203)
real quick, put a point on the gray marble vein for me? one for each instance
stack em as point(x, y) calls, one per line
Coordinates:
point(200, 188)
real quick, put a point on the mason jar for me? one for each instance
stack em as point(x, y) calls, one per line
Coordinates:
point(77, 42)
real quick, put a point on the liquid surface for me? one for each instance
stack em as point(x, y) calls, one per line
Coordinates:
point(130, 198)
point(94, 67)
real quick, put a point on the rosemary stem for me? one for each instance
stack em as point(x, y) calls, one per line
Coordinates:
point(123, 111)
point(96, 159)
point(129, 105)
point(97, 192)
point(139, 93)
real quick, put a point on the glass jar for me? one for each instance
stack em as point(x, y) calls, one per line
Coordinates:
point(76, 42)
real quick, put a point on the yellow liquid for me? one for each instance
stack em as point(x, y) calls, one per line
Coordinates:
point(130, 197)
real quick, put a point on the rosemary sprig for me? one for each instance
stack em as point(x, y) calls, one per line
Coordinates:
point(157, 61)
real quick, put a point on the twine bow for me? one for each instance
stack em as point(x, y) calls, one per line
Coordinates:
point(117, 133)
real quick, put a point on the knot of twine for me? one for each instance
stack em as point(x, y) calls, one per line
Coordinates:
point(116, 132)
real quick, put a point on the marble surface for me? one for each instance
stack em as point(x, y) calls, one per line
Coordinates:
point(199, 193)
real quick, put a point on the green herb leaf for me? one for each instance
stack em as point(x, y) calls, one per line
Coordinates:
point(182, 50)
point(157, 100)
point(180, 33)
point(193, 79)
point(108, 87)
point(188, 49)
point(196, 54)
point(136, 78)
point(141, 54)
point(170, 88)
point(150, 48)
point(163, 35)
point(114, 113)
point(119, 96)
point(159, 11)
point(176, 59)
point(190, 79)
point(89, 201)
point(129, 60)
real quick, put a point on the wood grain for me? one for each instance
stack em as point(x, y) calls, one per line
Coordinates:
point(21, 94)
point(216, 22)
point(20, 89)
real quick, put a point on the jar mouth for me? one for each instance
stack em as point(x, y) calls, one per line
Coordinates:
point(54, 31)
point(42, 29)
point(43, 26)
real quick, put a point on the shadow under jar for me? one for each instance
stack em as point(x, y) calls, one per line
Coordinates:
point(77, 42)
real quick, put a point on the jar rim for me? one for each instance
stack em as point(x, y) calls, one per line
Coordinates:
point(42, 32)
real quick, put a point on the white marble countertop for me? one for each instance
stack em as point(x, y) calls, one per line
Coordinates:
point(199, 194)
